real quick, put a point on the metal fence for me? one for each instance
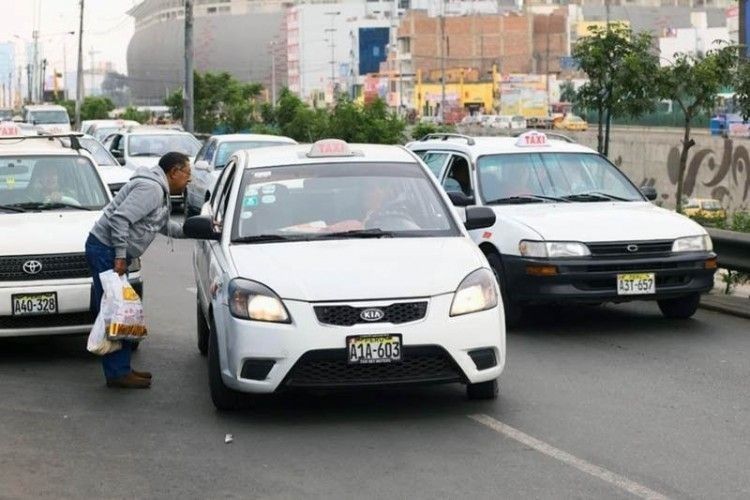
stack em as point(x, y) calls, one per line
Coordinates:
point(732, 248)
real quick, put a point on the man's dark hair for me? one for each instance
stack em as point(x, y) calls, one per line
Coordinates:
point(173, 159)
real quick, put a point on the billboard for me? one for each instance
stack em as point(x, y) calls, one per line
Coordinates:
point(372, 49)
point(524, 95)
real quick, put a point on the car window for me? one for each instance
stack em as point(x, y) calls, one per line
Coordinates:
point(102, 157)
point(118, 144)
point(45, 180)
point(309, 201)
point(227, 149)
point(434, 161)
point(458, 178)
point(49, 117)
point(223, 198)
point(157, 145)
point(208, 155)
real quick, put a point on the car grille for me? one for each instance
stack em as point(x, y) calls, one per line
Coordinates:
point(343, 315)
point(47, 320)
point(329, 368)
point(639, 249)
point(54, 267)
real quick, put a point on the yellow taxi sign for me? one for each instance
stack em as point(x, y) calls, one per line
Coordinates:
point(329, 147)
point(532, 138)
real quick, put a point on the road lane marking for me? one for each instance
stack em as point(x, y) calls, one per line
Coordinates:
point(608, 476)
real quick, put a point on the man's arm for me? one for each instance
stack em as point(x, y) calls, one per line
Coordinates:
point(173, 229)
point(142, 200)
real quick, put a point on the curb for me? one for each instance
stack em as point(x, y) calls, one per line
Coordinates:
point(735, 306)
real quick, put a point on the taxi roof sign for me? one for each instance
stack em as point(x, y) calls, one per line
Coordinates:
point(532, 138)
point(9, 129)
point(329, 147)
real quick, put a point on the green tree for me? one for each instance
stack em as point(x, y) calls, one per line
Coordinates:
point(693, 83)
point(96, 108)
point(621, 67)
point(132, 113)
point(567, 91)
point(70, 107)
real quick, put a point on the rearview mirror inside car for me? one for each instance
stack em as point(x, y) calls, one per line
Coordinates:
point(479, 217)
point(200, 227)
point(459, 199)
point(649, 192)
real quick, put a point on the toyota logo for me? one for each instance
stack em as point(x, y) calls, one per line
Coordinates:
point(632, 248)
point(32, 267)
point(372, 314)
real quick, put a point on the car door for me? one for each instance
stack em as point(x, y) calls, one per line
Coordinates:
point(435, 160)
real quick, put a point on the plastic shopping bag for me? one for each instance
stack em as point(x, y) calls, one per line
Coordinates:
point(98, 342)
point(127, 320)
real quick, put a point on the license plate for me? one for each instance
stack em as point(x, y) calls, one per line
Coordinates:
point(636, 284)
point(34, 303)
point(368, 349)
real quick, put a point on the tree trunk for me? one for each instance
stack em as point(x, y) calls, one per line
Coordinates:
point(687, 143)
point(607, 125)
point(600, 137)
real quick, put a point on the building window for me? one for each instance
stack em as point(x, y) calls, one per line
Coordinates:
point(211, 10)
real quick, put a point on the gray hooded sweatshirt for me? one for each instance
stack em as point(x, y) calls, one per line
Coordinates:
point(141, 209)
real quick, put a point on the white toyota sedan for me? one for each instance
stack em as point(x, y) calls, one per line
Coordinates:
point(336, 265)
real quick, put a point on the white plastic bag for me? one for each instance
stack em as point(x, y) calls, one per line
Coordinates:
point(126, 321)
point(98, 342)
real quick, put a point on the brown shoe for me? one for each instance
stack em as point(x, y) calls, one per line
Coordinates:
point(129, 381)
point(146, 375)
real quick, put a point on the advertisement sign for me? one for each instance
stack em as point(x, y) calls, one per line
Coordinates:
point(525, 95)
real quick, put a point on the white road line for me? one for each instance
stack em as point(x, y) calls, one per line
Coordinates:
point(594, 470)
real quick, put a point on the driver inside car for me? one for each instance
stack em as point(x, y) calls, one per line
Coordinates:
point(45, 187)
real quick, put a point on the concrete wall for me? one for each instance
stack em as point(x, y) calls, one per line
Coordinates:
point(717, 168)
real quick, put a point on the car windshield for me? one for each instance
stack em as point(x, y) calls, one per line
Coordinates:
point(99, 152)
point(49, 117)
point(345, 200)
point(49, 183)
point(711, 205)
point(101, 133)
point(564, 176)
point(227, 149)
point(159, 144)
point(6, 114)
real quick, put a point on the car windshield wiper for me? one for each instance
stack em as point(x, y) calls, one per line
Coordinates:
point(12, 208)
point(34, 205)
point(265, 238)
point(594, 196)
point(358, 233)
point(526, 198)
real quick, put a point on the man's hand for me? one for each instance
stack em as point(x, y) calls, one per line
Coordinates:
point(121, 266)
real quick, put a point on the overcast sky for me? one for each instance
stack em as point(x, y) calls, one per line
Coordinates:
point(107, 29)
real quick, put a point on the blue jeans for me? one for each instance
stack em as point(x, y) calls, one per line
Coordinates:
point(101, 258)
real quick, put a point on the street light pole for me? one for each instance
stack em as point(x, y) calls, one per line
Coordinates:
point(442, 65)
point(188, 94)
point(332, 30)
point(79, 73)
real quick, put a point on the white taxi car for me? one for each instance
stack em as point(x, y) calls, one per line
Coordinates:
point(49, 118)
point(571, 227)
point(333, 265)
point(50, 196)
point(213, 157)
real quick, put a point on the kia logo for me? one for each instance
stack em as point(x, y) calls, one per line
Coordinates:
point(372, 314)
point(632, 248)
point(32, 267)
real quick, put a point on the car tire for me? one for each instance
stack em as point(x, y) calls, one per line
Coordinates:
point(680, 307)
point(202, 329)
point(224, 398)
point(513, 310)
point(482, 390)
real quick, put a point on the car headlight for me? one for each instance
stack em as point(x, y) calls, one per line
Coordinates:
point(135, 265)
point(255, 301)
point(477, 292)
point(700, 243)
point(552, 249)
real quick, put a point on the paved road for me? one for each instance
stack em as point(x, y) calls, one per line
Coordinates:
point(595, 402)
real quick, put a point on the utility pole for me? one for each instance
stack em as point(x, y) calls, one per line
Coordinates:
point(273, 73)
point(29, 77)
point(79, 73)
point(188, 94)
point(331, 38)
point(35, 64)
point(43, 70)
point(442, 61)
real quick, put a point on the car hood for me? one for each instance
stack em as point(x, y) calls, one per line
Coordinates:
point(144, 161)
point(64, 232)
point(599, 221)
point(359, 269)
point(114, 175)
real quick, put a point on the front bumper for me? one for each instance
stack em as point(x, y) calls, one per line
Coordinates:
point(73, 306)
point(595, 279)
point(265, 357)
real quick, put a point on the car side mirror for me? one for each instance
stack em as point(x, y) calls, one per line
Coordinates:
point(459, 199)
point(479, 217)
point(649, 192)
point(202, 165)
point(200, 227)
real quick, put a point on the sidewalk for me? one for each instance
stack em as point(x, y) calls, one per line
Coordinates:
point(737, 304)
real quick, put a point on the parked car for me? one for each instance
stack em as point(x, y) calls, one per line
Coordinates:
point(336, 266)
point(573, 123)
point(500, 122)
point(571, 227)
point(101, 129)
point(114, 175)
point(212, 158)
point(704, 208)
point(518, 122)
point(50, 118)
point(50, 197)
